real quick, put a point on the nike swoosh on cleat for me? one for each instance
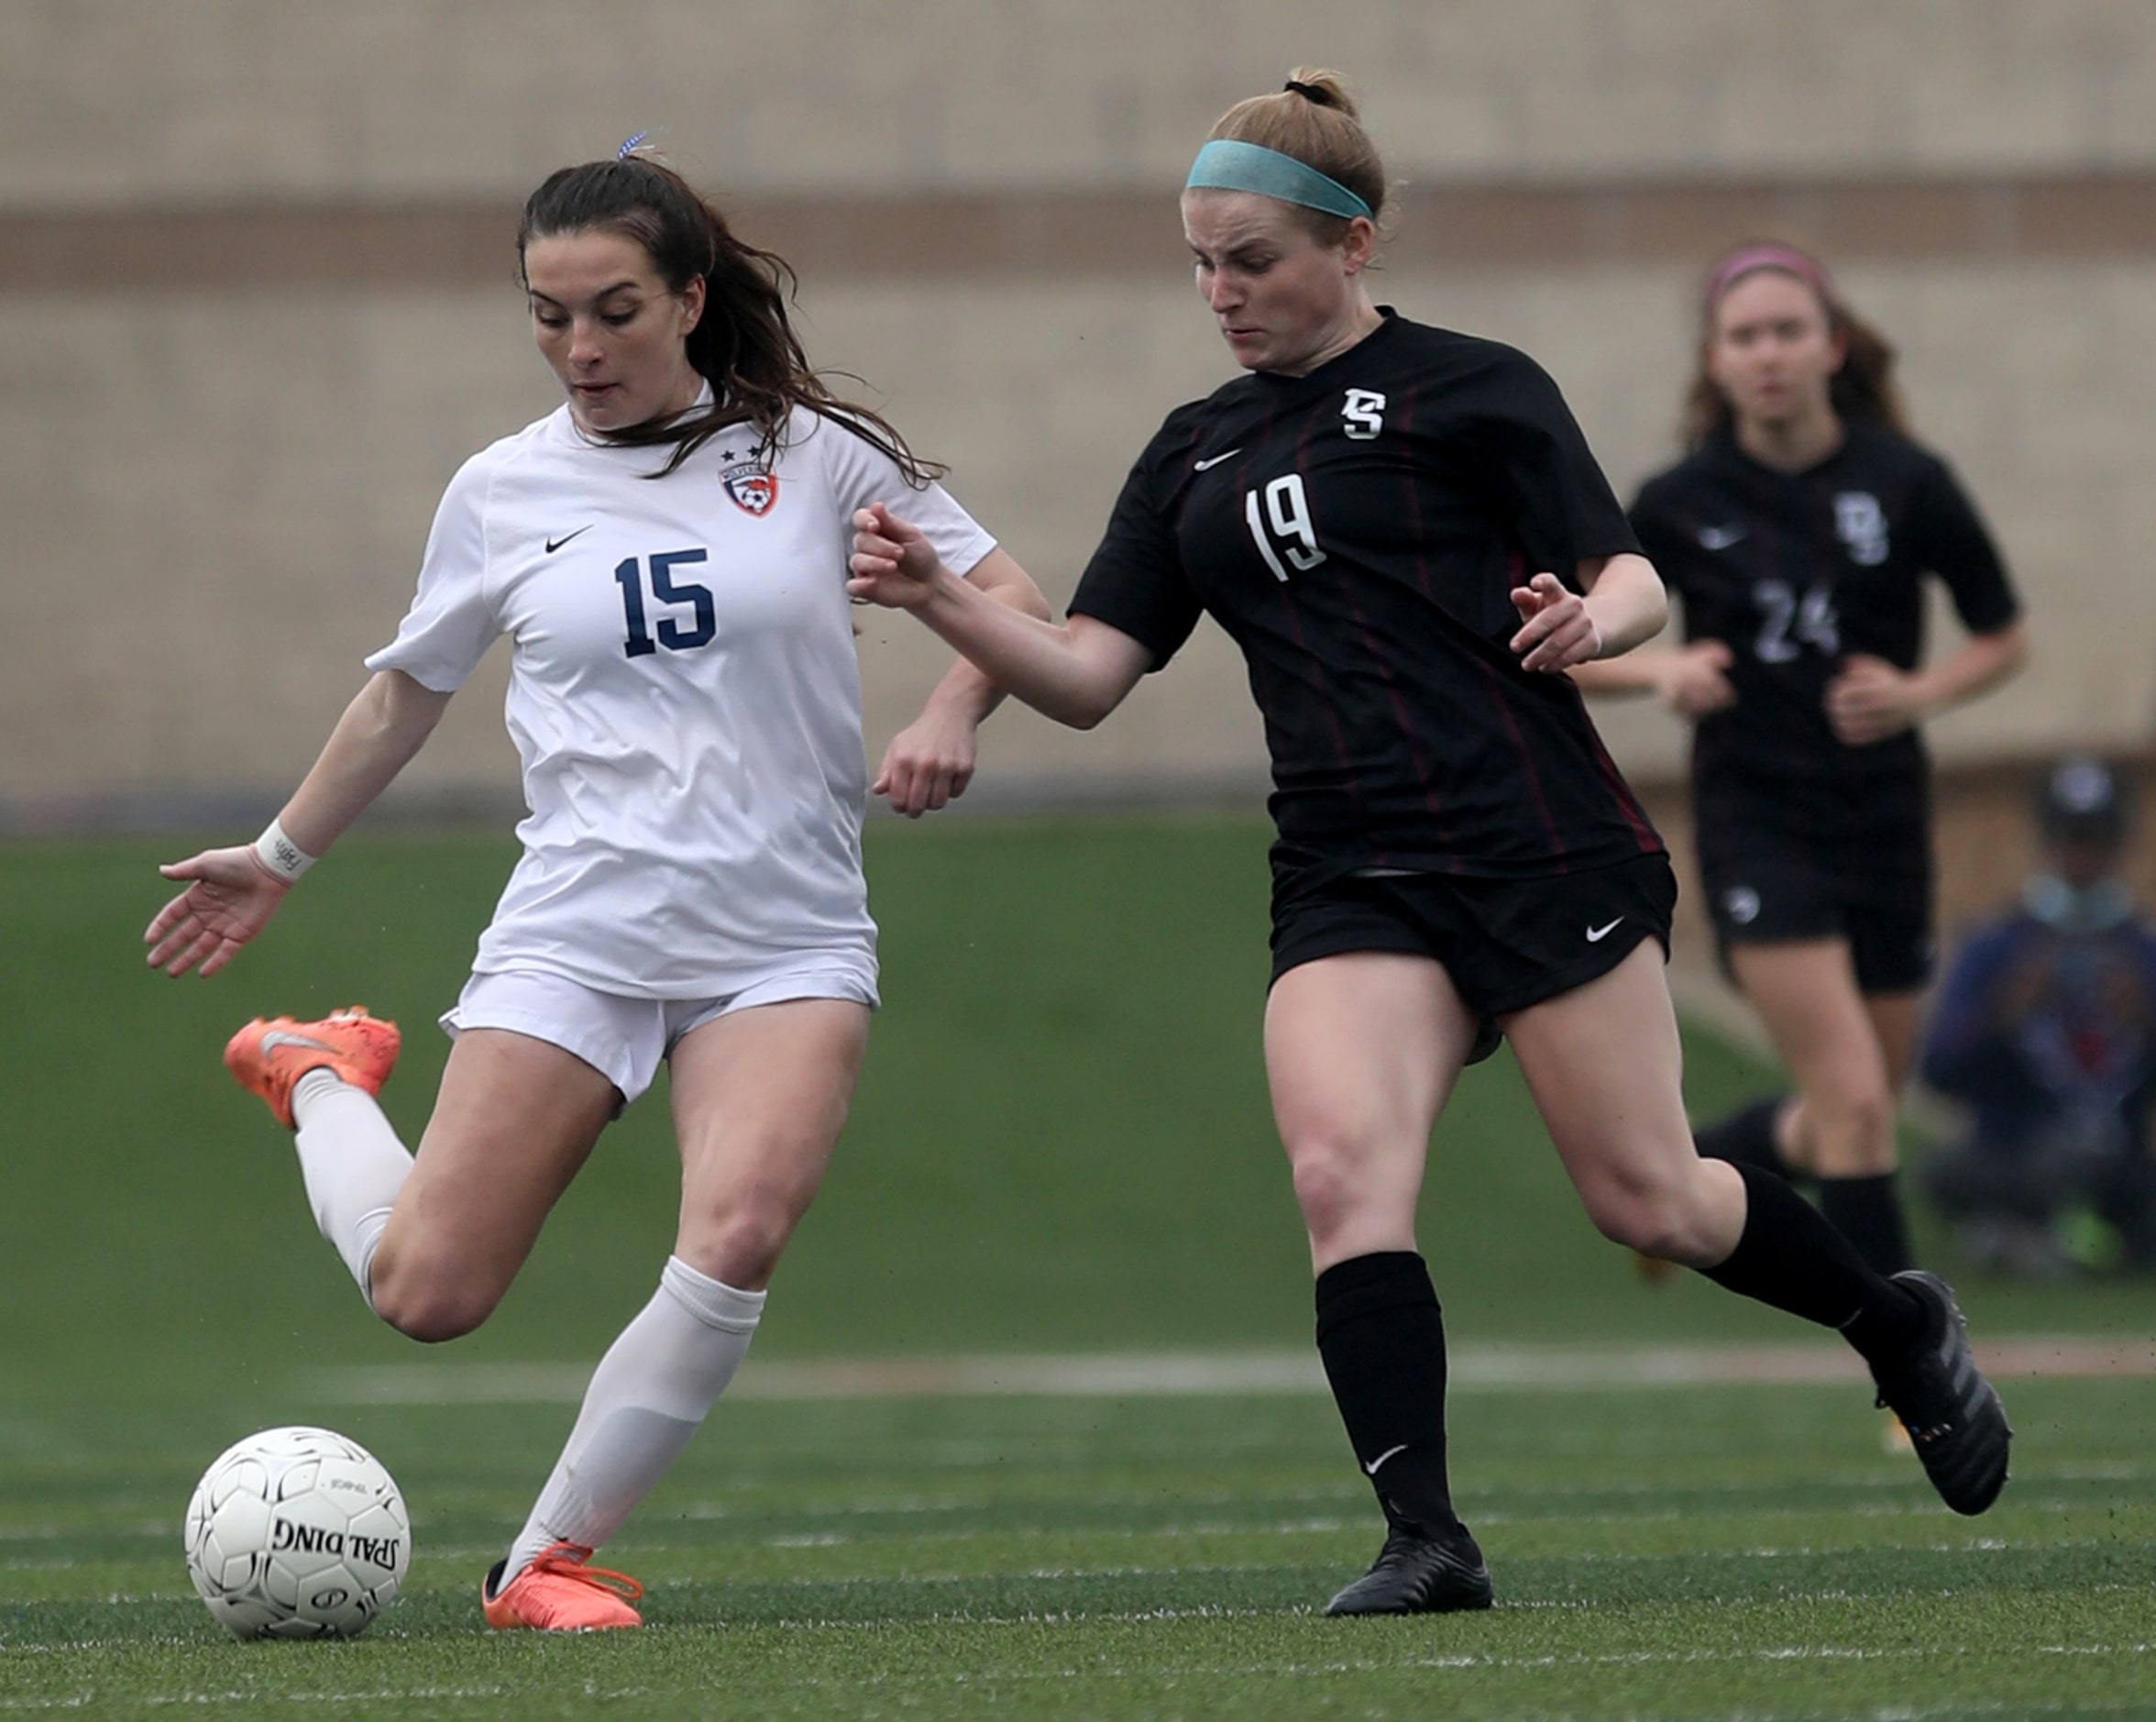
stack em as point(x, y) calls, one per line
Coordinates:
point(1214, 460)
point(278, 1037)
point(1370, 1470)
point(554, 544)
point(1719, 537)
point(1595, 935)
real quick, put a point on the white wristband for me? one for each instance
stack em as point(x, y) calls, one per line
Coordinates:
point(284, 858)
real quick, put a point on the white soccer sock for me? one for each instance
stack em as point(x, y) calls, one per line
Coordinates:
point(353, 1164)
point(647, 1398)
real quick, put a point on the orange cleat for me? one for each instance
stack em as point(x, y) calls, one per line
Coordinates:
point(560, 1593)
point(271, 1054)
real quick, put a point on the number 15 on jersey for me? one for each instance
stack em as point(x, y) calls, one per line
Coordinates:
point(672, 636)
point(1281, 527)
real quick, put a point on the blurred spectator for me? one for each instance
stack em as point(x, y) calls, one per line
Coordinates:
point(2046, 1030)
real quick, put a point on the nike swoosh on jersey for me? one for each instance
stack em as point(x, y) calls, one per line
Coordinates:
point(1595, 935)
point(1214, 460)
point(1719, 537)
point(554, 544)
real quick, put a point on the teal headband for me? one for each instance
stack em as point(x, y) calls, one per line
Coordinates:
point(1228, 166)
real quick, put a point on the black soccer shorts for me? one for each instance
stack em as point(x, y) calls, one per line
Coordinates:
point(1506, 943)
point(1777, 869)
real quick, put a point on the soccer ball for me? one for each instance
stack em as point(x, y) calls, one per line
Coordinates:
point(297, 1533)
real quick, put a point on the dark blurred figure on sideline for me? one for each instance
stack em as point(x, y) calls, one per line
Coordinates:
point(2046, 1030)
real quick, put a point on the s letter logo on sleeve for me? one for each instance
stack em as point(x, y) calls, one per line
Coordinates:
point(1363, 414)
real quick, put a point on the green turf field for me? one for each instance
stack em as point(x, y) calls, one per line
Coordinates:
point(1060, 1148)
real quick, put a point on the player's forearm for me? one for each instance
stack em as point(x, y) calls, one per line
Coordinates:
point(385, 725)
point(1984, 662)
point(965, 690)
point(1637, 671)
point(1024, 655)
point(1628, 604)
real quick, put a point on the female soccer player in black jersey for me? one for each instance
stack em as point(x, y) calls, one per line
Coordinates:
point(1798, 533)
point(1406, 534)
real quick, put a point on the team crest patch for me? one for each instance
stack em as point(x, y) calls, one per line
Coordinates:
point(754, 490)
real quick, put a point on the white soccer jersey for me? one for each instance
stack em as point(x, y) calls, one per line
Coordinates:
point(685, 693)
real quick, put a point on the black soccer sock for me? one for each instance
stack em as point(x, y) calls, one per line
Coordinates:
point(1868, 1211)
point(1789, 1256)
point(1746, 1138)
point(1382, 1338)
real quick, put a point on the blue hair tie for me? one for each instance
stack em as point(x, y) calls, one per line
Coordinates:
point(629, 146)
point(1228, 166)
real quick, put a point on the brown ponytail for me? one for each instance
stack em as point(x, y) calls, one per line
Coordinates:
point(743, 345)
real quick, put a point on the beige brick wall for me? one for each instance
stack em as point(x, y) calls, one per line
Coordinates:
point(215, 500)
point(131, 101)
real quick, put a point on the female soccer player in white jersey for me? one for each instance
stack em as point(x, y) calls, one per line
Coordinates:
point(1403, 531)
point(1799, 531)
point(668, 554)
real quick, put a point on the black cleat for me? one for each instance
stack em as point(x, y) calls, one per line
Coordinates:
point(1414, 1575)
point(1953, 1417)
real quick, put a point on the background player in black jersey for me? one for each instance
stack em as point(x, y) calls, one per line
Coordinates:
point(1798, 534)
point(1403, 531)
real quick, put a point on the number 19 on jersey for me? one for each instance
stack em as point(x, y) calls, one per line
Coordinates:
point(1281, 527)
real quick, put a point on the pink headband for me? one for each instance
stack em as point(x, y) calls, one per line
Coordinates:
point(1787, 259)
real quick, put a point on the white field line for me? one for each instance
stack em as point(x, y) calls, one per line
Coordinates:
point(1197, 1375)
point(1330, 1668)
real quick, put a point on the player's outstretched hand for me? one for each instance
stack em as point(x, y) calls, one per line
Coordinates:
point(1870, 700)
point(1556, 631)
point(229, 898)
point(1696, 678)
point(893, 562)
point(928, 764)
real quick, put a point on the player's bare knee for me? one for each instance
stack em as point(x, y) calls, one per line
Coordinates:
point(1328, 1182)
point(1653, 1219)
point(431, 1321)
point(741, 1246)
point(427, 1306)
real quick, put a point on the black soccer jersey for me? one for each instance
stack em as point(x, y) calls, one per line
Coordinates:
point(1794, 571)
point(1357, 530)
